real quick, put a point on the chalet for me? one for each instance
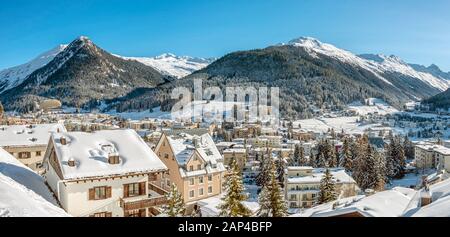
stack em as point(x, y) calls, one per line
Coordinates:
point(28, 143)
point(196, 166)
point(109, 173)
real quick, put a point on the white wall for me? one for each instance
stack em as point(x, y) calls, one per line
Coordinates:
point(74, 197)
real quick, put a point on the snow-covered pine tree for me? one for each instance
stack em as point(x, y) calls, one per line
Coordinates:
point(395, 158)
point(321, 161)
point(175, 204)
point(262, 176)
point(380, 171)
point(303, 161)
point(408, 147)
point(231, 205)
point(271, 198)
point(280, 165)
point(364, 165)
point(327, 188)
point(296, 158)
point(312, 159)
point(345, 156)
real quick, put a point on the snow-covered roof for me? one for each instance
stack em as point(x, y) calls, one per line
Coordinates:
point(28, 135)
point(339, 175)
point(187, 145)
point(23, 192)
point(389, 203)
point(90, 152)
point(433, 147)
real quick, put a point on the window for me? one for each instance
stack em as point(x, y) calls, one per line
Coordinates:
point(199, 167)
point(134, 189)
point(200, 180)
point(209, 178)
point(166, 156)
point(191, 181)
point(191, 193)
point(99, 193)
point(210, 190)
point(191, 168)
point(200, 192)
point(135, 213)
point(38, 153)
point(102, 214)
point(24, 155)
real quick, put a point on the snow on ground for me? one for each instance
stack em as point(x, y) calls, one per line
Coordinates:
point(209, 206)
point(372, 106)
point(321, 124)
point(23, 192)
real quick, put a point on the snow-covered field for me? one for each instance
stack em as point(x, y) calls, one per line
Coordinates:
point(372, 106)
point(23, 192)
point(348, 124)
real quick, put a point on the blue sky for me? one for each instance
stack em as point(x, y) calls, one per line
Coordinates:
point(417, 31)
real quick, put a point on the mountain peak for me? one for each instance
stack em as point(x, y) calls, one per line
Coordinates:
point(306, 42)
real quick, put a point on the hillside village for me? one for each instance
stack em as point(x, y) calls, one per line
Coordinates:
point(366, 160)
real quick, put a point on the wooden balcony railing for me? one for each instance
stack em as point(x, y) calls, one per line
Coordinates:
point(145, 203)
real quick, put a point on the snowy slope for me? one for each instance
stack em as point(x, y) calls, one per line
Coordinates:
point(12, 77)
point(23, 192)
point(377, 64)
point(172, 65)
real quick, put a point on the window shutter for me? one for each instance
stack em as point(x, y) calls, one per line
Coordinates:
point(142, 189)
point(108, 192)
point(125, 190)
point(91, 194)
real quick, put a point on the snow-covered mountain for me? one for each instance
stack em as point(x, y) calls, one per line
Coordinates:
point(172, 65)
point(377, 64)
point(12, 77)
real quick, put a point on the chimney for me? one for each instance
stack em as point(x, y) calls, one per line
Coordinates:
point(63, 141)
point(113, 158)
point(425, 198)
point(71, 162)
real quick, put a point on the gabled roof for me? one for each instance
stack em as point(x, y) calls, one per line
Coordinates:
point(186, 146)
point(90, 152)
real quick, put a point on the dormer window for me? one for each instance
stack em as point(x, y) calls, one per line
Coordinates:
point(113, 159)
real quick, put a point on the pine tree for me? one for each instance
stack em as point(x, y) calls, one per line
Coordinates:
point(303, 161)
point(327, 188)
point(280, 165)
point(346, 158)
point(380, 171)
point(175, 203)
point(231, 205)
point(408, 147)
point(262, 176)
point(395, 158)
point(271, 198)
point(296, 157)
point(312, 159)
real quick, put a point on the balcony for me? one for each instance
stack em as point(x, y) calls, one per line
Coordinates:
point(156, 197)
